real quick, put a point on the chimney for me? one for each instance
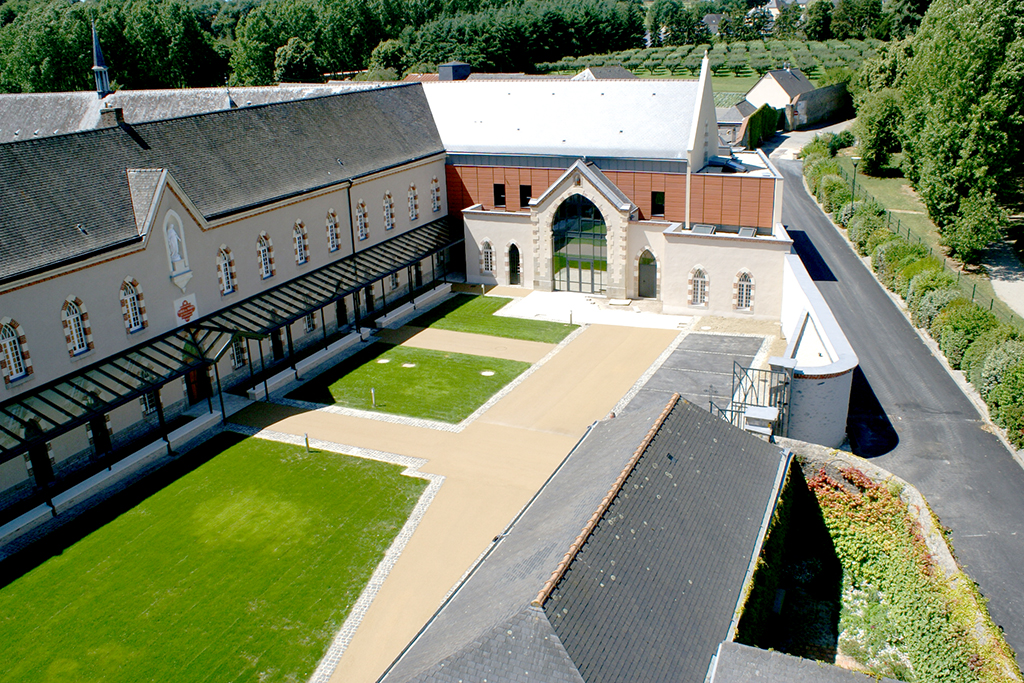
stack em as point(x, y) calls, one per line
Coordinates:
point(453, 71)
point(111, 117)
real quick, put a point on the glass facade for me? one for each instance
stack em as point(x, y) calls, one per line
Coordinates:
point(579, 247)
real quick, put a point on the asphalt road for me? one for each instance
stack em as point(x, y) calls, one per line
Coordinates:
point(910, 417)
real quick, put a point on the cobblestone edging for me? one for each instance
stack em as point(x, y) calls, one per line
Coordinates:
point(919, 511)
point(653, 368)
point(436, 424)
point(329, 662)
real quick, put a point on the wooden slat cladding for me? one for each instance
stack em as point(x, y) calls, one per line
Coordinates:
point(732, 200)
point(717, 198)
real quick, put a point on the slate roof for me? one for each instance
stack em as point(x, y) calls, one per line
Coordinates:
point(743, 664)
point(25, 116)
point(225, 161)
point(792, 81)
point(678, 538)
point(633, 119)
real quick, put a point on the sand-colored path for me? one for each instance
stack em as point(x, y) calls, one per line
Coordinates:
point(466, 342)
point(491, 470)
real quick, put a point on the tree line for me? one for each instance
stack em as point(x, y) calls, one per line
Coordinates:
point(46, 46)
point(948, 99)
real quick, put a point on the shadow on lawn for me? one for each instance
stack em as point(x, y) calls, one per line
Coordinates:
point(318, 389)
point(53, 543)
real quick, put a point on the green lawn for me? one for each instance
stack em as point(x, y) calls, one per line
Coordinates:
point(242, 569)
point(470, 313)
point(440, 386)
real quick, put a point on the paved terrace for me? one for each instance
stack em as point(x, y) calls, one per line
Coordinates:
point(494, 466)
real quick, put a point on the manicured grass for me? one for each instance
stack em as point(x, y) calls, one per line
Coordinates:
point(242, 569)
point(469, 313)
point(441, 386)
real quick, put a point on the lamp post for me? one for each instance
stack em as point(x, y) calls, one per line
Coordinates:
point(855, 161)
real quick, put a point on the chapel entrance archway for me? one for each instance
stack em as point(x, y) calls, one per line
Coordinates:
point(579, 247)
point(513, 265)
point(647, 285)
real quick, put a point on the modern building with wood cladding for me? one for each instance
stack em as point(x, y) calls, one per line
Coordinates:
point(617, 188)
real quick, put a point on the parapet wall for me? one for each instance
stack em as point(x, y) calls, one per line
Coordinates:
point(825, 361)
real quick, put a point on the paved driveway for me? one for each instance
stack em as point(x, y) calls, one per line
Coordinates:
point(911, 417)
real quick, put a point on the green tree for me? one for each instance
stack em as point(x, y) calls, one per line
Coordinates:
point(979, 222)
point(789, 23)
point(879, 117)
point(390, 54)
point(856, 19)
point(818, 25)
point(295, 62)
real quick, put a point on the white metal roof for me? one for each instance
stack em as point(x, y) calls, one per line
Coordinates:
point(641, 119)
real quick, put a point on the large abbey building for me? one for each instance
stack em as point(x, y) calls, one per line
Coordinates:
point(159, 248)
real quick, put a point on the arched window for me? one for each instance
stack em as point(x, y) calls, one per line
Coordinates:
point(487, 258)
point(699, 288)
point(263, 256)
point(226, 271)
point(414, 207)
point(76, 329)
point(744, 291)
point(299, 237)
point(14, 365)
point(362, 221)
point(131, 306)
point(389, 211)
point(332, 231)
point(435, 195)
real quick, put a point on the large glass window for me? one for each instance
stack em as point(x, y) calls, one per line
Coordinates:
point(12, 353)
point(744, 291)
point(75, 326)
point(580, 248)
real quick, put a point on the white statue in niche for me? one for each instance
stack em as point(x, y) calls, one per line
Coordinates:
point(177, 252)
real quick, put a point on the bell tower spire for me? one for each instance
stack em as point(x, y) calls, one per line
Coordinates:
point(99, 67)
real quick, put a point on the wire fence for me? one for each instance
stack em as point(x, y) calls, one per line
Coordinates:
point(966, 282)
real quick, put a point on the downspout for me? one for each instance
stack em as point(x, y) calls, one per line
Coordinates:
point(355, 261)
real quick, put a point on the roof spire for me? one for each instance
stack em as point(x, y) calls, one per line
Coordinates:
point(99, 66)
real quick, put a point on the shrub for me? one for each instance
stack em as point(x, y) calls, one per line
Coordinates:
point(997, 363)
point(891, 256)
point(817, 146)
point(879, 237)
point(979, 222)
point(838, 141)
point(819, 168)
point(901, 283)
point(931, 304)
point(834, 192)
point(1007, 404)
point(978, 353)
point(925, 282)
point(861, 229)
point(959, 324)
point(844, 214)
point(879, 117)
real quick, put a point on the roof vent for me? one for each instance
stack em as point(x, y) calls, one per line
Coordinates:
point(111, 117)
point(82, 229)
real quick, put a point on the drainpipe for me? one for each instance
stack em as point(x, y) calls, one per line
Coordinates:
point(355, 261)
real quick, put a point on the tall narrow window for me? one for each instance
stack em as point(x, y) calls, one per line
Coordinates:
point(487, 259)
point(263, 257)
point(75, 328)
point(332, 230)
point(226, 271)
point(744, 291)
point(699, 282)
point(299, 237)
point(394, 281)
point(435, 195)
point(149, 402)
point(499, 194)
point(309, 322)
point(362, 222)
point(131, 307)
point(414, 207)
point(657, 203)
point(14, 359)
point(237, 353)
point(525, 191)
point(389, 211)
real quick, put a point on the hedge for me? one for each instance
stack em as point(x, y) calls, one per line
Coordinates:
point(833, 192)
point(998, 363)
point(931, 304)
point(974, 360)
point(925, 282)
point(891, 256)
point(901, 283)
point(1007, 404)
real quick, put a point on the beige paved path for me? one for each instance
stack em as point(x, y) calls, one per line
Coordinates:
point(466, 342)
point(492, 469)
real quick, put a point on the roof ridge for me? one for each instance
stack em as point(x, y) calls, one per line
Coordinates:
point(588, 528)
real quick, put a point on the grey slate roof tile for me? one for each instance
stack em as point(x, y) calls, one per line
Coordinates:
point(744, 664)
point(225, 161)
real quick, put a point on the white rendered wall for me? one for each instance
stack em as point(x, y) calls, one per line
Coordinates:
point(501, 229)
point(820, 398)
point(768, 91)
